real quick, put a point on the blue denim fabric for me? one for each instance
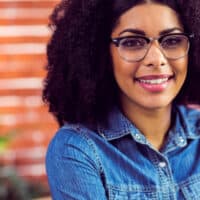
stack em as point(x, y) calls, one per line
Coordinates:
point(117, 162)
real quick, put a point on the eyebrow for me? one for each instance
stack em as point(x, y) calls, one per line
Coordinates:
point(140, 32)
point(164, 32)
point(134, 31)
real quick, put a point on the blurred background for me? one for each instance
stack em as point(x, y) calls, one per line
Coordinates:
point(26, 127)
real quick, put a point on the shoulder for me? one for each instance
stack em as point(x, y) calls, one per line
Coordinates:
point(70, 135)
point(72, 165)
point(190, 115)
point(190, 111)
point(72, 141)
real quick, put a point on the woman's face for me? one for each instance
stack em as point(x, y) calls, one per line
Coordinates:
point(154, 81)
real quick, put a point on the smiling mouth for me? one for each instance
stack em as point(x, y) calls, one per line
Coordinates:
point(154, 80)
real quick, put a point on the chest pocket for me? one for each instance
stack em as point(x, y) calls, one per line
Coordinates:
point(191, 189)
point(131, 193)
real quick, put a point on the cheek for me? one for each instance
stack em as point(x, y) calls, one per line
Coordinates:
point(184, 67)
point(121, 68)
point(180, 67)
point(114, 56)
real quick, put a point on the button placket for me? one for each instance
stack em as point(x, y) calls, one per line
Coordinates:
point(164, 173)
point(162, 164)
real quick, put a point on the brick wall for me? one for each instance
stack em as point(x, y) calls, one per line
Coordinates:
point(23, 116)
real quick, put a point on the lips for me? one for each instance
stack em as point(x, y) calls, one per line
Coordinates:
point(154, 83)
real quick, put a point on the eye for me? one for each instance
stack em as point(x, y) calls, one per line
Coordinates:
point(133, 43)
point(173, 41)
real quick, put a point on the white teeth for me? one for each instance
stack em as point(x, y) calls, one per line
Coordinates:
point(154, 81)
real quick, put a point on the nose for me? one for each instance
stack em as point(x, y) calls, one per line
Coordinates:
point(154, 56)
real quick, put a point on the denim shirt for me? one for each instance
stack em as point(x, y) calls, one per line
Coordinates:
point(116, 162)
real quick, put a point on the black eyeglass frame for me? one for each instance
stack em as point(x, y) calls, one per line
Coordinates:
point(116, 41)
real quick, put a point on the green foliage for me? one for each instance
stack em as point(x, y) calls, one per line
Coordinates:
point(6, 138)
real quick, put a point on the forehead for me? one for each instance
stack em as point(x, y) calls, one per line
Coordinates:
point(150, 17)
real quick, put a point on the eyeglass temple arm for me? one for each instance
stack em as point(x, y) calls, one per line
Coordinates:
point(115, 41)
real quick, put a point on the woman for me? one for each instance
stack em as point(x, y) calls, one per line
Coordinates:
point(121, 74)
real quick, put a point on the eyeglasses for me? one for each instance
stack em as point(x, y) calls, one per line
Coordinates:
point(134, 48)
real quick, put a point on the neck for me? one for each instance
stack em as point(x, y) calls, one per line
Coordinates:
point(153, 123)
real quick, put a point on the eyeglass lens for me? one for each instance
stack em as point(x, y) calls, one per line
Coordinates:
point(135, 48)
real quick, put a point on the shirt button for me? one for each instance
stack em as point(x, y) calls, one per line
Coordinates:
point(137, 137)
point(162, 164)
point(181, 141)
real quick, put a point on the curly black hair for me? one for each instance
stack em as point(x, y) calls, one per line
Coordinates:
point(80, 86)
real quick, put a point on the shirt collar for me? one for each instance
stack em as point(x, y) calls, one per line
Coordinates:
point(187, 125)
point(188, 122)
point(117, 126)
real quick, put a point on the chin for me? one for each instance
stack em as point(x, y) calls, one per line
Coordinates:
point(157, 104)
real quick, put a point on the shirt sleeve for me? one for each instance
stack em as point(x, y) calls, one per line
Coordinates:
point(72, 168)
